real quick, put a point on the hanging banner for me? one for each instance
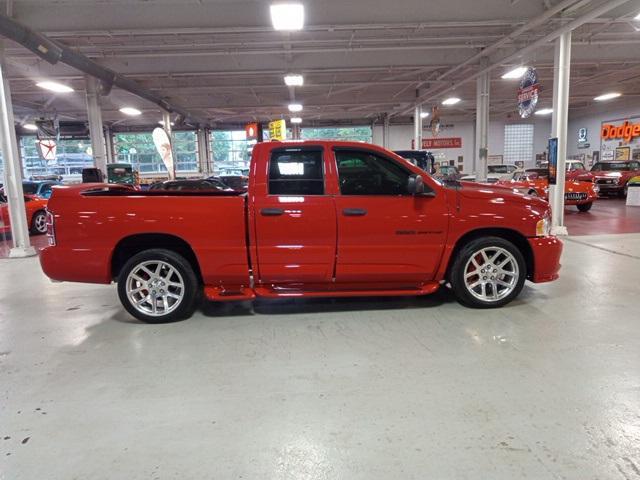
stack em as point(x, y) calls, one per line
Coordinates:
point(163, 146)
point(47, 149)
point(278, 130)
point(528, 93)
point(553, 160)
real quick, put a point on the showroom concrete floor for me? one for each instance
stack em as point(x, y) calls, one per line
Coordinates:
point(422, 388)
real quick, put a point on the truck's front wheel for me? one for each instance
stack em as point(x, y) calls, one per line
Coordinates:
point(158, 286)
point(488, 272)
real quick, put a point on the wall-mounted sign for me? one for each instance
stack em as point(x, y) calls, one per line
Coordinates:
point(163, 146)
point(47, 149)
point(582, 135)
point(528, 93)
point(627, 131)
point(278, 130)
point(253, 131)
point(553, 160)
point(436, 143)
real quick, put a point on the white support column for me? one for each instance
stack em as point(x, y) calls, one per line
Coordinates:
point(417, 128)
point(385, 131)
point(94, 115)
point(483, 84)
point(562, 70)
point(12, 171)
point(108, 142)
point(203, 152)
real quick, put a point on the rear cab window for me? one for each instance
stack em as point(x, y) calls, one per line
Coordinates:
point(296, 171)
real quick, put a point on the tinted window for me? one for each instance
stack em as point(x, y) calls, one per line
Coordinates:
point(497, 169)
point(366, 173)
point(610, 166)
point(45, 191)
point(30, 188)
point(296, 172)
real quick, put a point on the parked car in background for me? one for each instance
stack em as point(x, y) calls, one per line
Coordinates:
point(494, 173)
point(322, 219)
point(39, 188)
point(447, 172)
point(191, 185)
point(239, 183)
point(36, 214)
point(613, 177)
point(574, 170)
point(535, 182)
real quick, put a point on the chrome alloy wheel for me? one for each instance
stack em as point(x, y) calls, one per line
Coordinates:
point(155, 288)
point(40, 222)
point(491, 274)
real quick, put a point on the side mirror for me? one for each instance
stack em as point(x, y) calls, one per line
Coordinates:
point(415, 185)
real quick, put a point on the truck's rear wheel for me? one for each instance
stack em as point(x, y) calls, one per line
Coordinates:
point(488, 272)
point(158, 286)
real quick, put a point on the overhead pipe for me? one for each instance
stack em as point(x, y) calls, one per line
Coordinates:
point(54, 52)
point(572, 25)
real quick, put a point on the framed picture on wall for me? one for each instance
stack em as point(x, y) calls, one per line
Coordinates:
point(494, 160)
point(623, 153)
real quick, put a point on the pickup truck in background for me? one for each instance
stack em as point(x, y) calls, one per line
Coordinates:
point(320, 219)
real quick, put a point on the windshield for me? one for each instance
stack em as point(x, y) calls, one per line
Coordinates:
point(498, 169)
point(611, 167)
point(30, 188)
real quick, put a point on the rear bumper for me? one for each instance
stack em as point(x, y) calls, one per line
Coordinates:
point(76, 265)
point(546, 258)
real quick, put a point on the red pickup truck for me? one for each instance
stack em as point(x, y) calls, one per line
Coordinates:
point(320, 219)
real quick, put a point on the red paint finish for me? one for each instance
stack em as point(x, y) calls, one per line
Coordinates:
point(297, 245)
point(575, 192)
point(32, 205)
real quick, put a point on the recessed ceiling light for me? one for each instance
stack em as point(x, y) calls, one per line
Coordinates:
point(451, 101)
point(134, 112)
point(55, 87)
point(287, 16)
point(295, 107)
point(424, 114)
point(607, 96)
point(637, 17)
point(296, 120)
point(30, 126)
point(515, 74)
point(161, 122)
point(294, 80)
point(544, 111)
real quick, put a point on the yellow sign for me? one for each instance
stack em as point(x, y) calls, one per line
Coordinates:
point(278, 130)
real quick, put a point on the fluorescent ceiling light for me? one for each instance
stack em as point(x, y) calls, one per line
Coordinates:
point(544, 111)
point(295, 107)
point(451, 101)
point(134, 112)
point(287, 16)
point(161, 122)
point(515, 74)
point(55, 87)
point(424, 114)
point(294, 80)
point(30, 126)
point(607, 96)
point(637, 17)
point(296, 120)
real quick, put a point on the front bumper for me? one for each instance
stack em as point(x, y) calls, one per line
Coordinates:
point(609, 189)
point(546, 258)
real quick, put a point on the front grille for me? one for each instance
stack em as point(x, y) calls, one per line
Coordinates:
point(575, 196)
point(605, 181)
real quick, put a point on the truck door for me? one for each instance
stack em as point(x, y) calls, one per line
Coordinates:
point(385, 234)
point(295, 220)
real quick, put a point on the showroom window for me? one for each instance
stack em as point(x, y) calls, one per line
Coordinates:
point(71, 157)
point(518, 143)
point(354, 134)
point(139, 150)
point(296, 172)
point(231, 152)
point(365, 173)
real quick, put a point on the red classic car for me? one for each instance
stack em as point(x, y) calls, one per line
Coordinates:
point(574, 170)
point(36, 214)
point(613, 177)
point(322, 219)
point(535, 182)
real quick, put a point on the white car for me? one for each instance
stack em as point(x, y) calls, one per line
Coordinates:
point(495, 173)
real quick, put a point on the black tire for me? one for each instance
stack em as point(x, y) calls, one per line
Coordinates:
point(532, 193)
point(585, 207)
point(186, 305)
point(38, 224)
point(471, 249)
point(625, 191)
